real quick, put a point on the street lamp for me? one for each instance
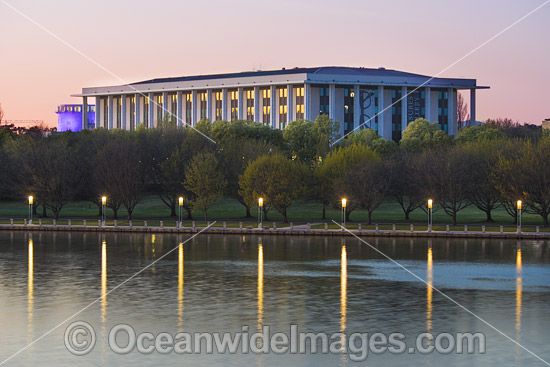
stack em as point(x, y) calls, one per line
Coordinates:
point(430, 205)
point(180, 200)
point(519, 215)
point(103, 202)
point(344, 204)
point(31, 200)
point(260, 206)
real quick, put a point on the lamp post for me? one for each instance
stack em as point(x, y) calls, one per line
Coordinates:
point(344, 204)
point(31, 200)
point(260, 206)
point(519, 215)
point(430, 205)
point(103, 202)
point(180, 200)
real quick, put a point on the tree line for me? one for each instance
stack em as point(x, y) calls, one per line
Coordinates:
point(489, 167)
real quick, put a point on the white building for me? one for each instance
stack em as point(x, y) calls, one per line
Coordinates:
point(380, 99)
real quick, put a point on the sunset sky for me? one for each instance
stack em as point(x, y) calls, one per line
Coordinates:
point(138, 40)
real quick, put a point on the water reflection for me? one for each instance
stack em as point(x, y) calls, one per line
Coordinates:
point(30, 285)
point(103, 281)
point(343, 293)
point(180, 286)
point(429, 290)
point(260, 286)
point(519, 288)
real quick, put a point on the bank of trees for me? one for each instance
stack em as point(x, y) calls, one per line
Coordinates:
point(488, 167)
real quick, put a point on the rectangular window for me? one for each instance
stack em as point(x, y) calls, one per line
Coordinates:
point(324, 100)
point(234, 105)
point(173, 106)
point(299, 91)
point(250, 104)
point(266, 103)
point(283, 100)
point(188, 107)
point(203, 105)
point(349, 103)
point(146, 110)
point(443, 110)
point(396, 114)
point(218, 105)
point(132, 113)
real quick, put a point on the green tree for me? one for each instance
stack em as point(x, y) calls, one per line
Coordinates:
point(421, 134)
point(302, 141)
point(204, 178)
point(479, 133)
point(276, 179)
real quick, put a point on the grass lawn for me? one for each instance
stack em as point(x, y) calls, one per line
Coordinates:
point(153, 210)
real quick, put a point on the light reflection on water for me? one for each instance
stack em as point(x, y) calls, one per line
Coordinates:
point(321, 284)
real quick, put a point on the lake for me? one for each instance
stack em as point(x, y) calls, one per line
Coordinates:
point(215, 284)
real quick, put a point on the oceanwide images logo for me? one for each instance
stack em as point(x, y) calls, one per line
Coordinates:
point(80, 339)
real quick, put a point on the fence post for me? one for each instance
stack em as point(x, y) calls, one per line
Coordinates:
point(274, 225)
point(99, 223)
point(326, 226)
point(193, 224)
point(483, 228)
point(11, 221)
point(240, 225)
point(40, 222)
point(538, 229)
point(501, 229)
point(25, 222)
point(224, 225)
point(376, 227)
point(465, 228)
point(161, 224)
point(308, 226)
point(447, 228)
point(291, 225)
point(130, 223)
point(84, 222)
point(393, 227)
point(359, 226)
point(145, 223)
point(116, 223)
point(412, 227)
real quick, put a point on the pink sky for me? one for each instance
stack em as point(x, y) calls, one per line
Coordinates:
point(138, 40)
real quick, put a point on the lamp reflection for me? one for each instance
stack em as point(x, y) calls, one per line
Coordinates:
point(30, 285)
point(260, 286)
point(103, 281)
point(180, 286)
point(429, 290)
point(343, 294)
point(519, 289)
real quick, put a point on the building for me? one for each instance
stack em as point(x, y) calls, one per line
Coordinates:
point(70, 117)
point(546, 124)
point(380, 99)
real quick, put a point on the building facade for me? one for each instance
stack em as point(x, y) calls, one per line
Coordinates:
point(70, 117)
point(380, 99)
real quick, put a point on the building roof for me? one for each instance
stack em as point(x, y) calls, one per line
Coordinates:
point(312, 75)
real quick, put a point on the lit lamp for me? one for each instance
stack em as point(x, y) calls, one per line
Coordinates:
point(31, 201)
point(430, 205)
point(260, 207)
point(103, 203)
point(344, 204)
point(180, 200)
point(519, 215)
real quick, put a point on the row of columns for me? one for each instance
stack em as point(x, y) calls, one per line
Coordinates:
point(384, 129)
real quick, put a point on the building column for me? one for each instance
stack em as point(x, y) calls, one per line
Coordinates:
point(123, 112)
point(428, 103)
point(382, 128)
point(472, 106)
point(110, 112)
point(97, 112)
point(240, 104)
point(224, 104)
point(137, 110)
point(272, 108)
point(179, 108)
point(452, 123)
point(151, 117)
point(307, 101)
point(332, 105)
point(404, 109)
point(193, 107)
point(257, 104)
point(289, 105)
point(84, 113)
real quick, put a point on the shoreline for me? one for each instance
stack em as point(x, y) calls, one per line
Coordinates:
point(277, 232)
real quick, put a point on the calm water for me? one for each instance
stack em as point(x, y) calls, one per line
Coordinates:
point(221, 283)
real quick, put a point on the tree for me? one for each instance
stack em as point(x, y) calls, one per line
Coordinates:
point(301, 141)
point(406, 187)
point(462, 115)
point(526, 176)
point(120, 173)
point(1, 113)
point(421, 134)
point(171, 177)
point(366, 184)
point(276, 179)
point(51, 172)
point(204, 178)
point(371, 139)
point(236, 154)
point(332, 168)
point(479, 133)
point(446, 178)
